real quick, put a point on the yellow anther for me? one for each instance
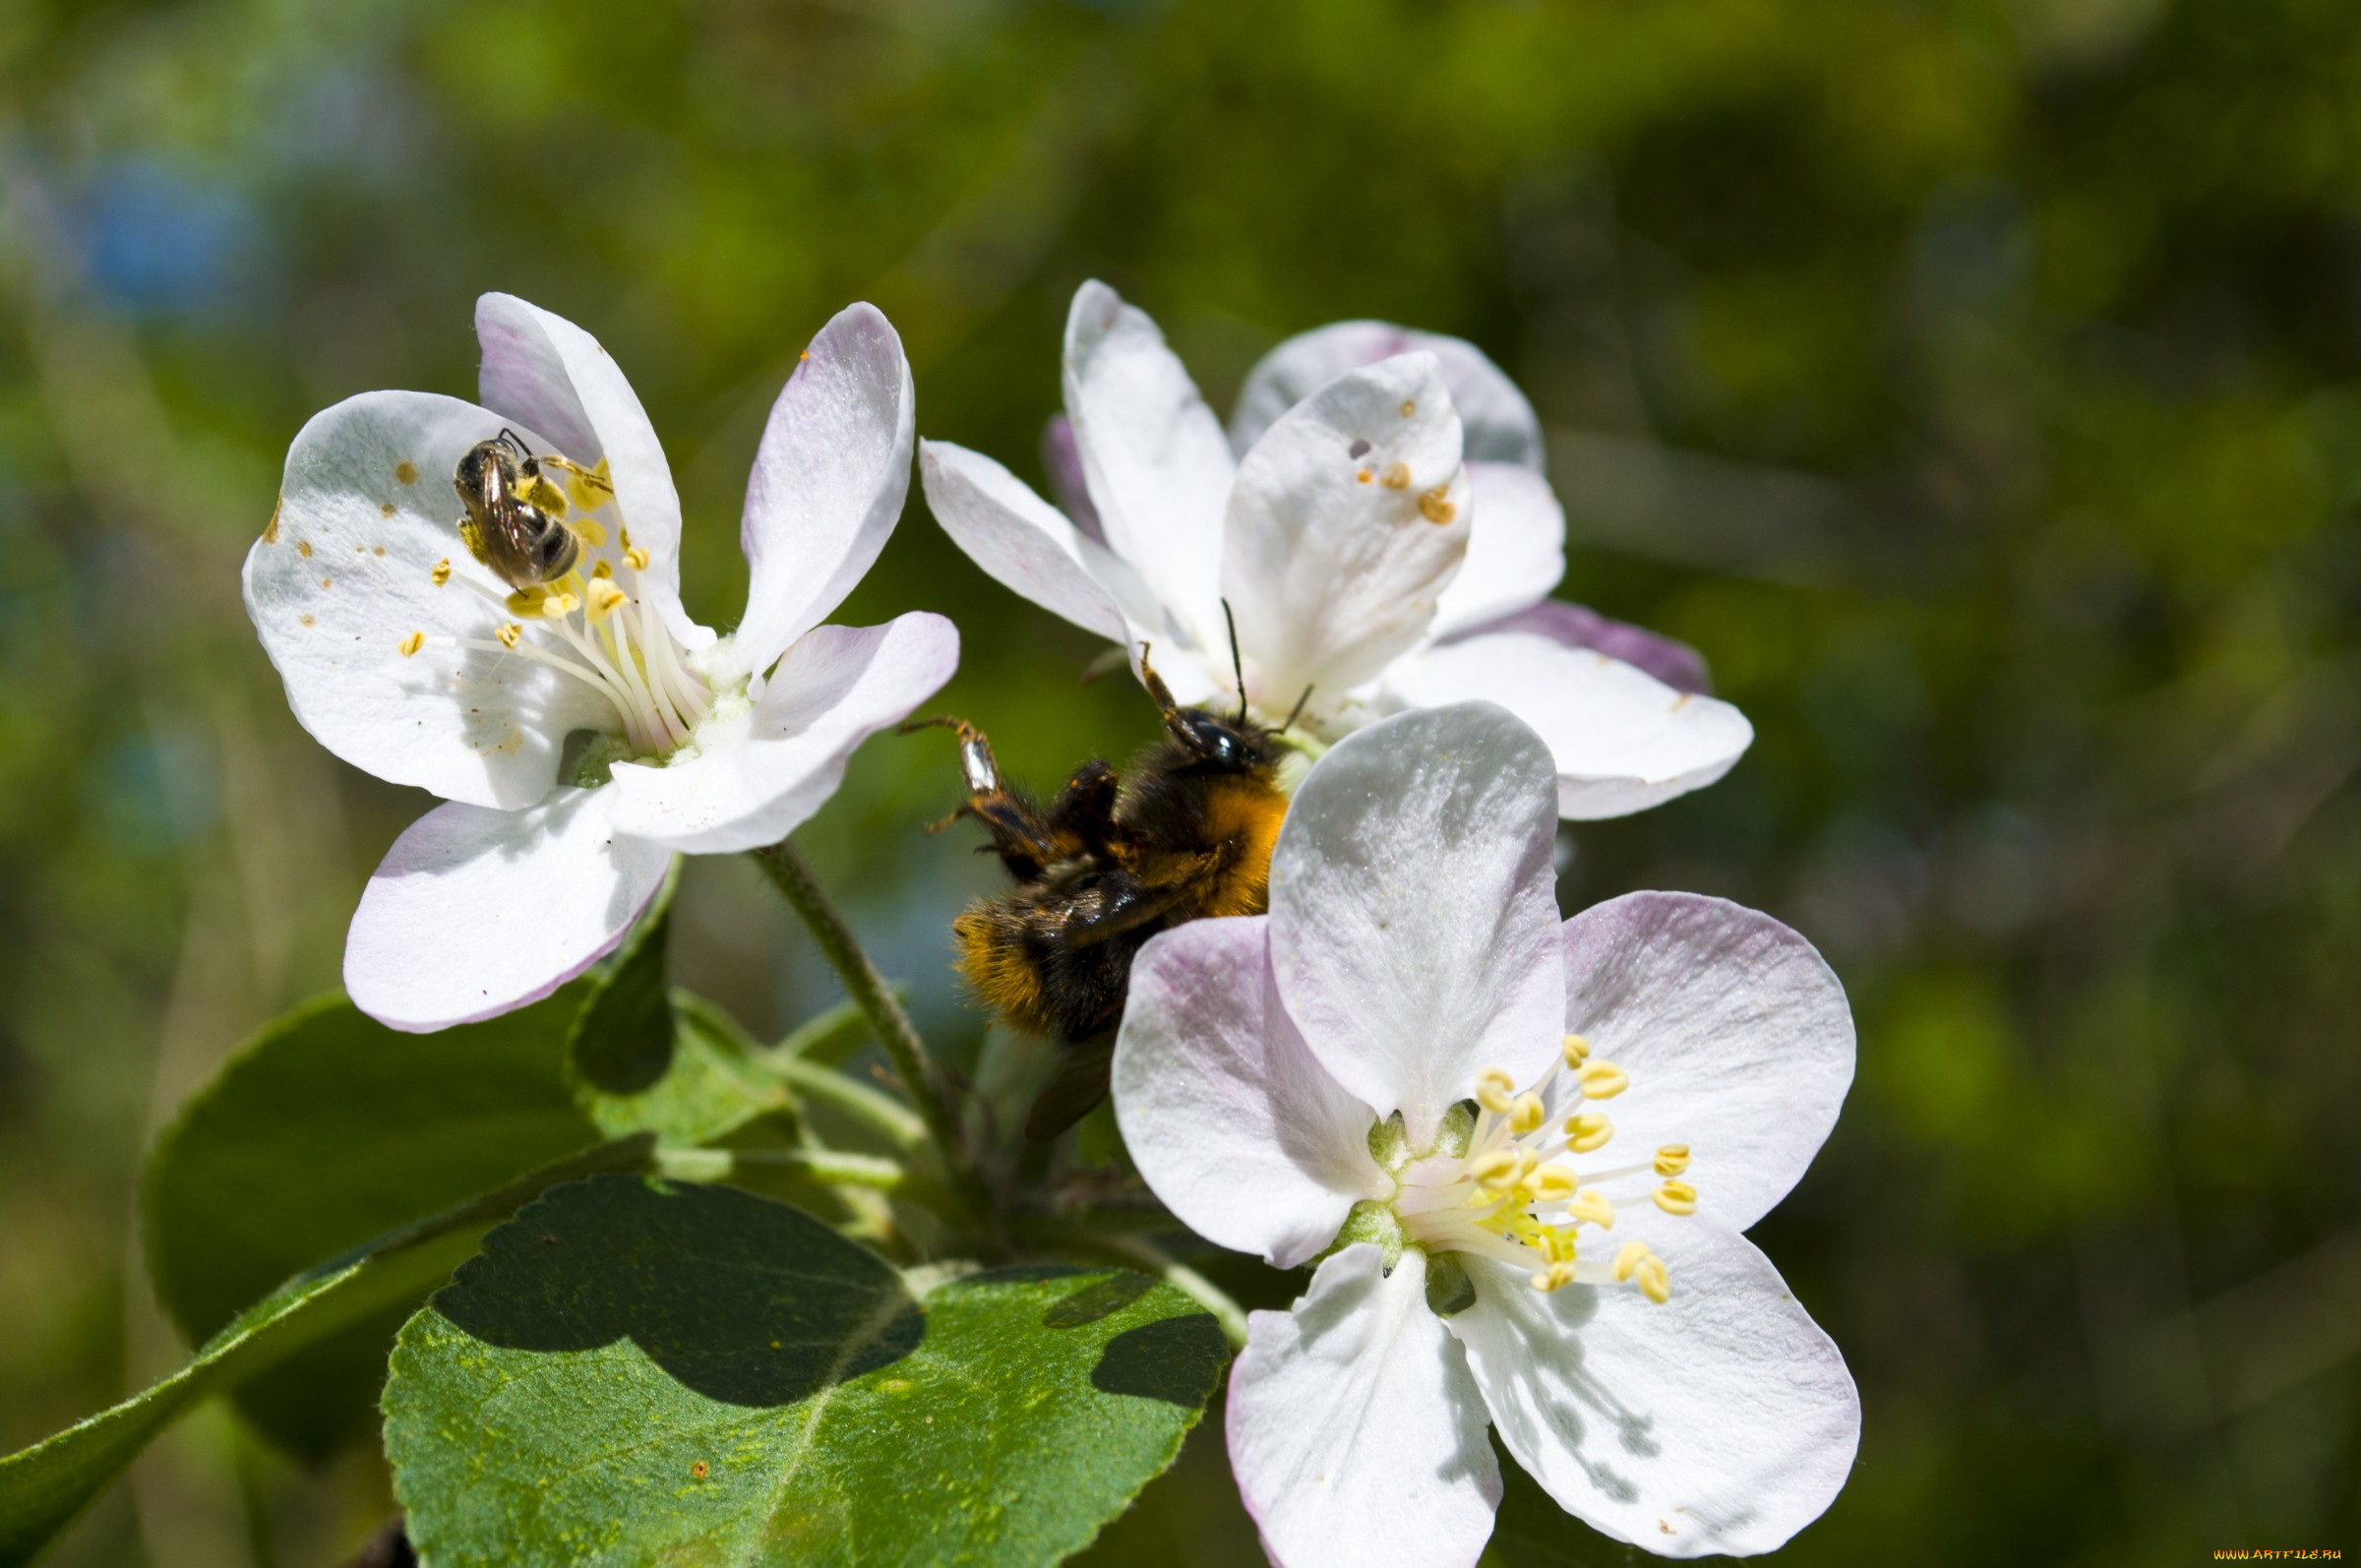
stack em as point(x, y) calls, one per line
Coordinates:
point(510, 635)
point(605, 569)
point(1555, 1277)
point(1436, 506)
point(1588, 1132)
point(1591, 1205)
point(543, 603)
point(1577, 1046)
point(1557, 1244)
point(592, 533)
point(413, 643)
point(442, 571)
point(1396, 476)
point(605, 598)
point(1673, 1159)
point(1497, 1169)
point(1524, 1113)
point(637, 556)
point(1493, 1089)
point(1676, 1197)
point(1628, 1259)
point(1554, 1183)
point(1602, 1080)
point(1653, 1279)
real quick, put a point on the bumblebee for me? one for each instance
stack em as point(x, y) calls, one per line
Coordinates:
point(513, 521)
point(1106, 863)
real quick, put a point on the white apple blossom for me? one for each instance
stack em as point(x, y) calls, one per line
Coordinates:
point(583, 731)
point(1365, 564)
point(1523, 1154)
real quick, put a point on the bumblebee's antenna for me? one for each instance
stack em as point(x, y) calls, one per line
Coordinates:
point(1297, 711)
point(1238, 664)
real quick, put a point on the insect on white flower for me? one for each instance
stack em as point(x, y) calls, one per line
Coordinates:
point(583, 729)
point(1365, 561)
point(1523, 1153)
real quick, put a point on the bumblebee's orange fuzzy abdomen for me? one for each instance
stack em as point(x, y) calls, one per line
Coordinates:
point(1242, 816)
point(994, 961)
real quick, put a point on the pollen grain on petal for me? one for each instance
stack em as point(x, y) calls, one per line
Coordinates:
point(1396, 476)
point(303, 548)
point(405, 472)
point(442, 571)
point(509, 635)
point(1436, 506)
point(384, 509)
point(270, 529)
point(1409, 408)
point(413, 643)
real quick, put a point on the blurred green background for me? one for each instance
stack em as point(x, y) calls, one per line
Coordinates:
point(1976, 383)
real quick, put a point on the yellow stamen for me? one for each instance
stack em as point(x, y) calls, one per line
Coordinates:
point(637, 556)
point(1555, 1277)
point(1653, 1279)
point(1591, 1205)
point(1602, 1080)
point(442, 571)
point(594, 534)
point(1676, 1197)
point(1497, 1169)
point(1554, 1183)
point(1493, 1089)
point(543, 603)
point(1673, 1159)
point(1588, 1132)
point(1628, 1259)
point(1576, 1047)
point(605, 569)
point(509, 635)
point(605, 599)
point(1524, 1113)
point(413, 643)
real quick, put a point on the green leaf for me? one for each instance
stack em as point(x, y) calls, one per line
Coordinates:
point(831, 1037)
point(328, 1128)
point(642, 1060)
point(1532, 1532)
point(45, 1486)
point(634, 1371)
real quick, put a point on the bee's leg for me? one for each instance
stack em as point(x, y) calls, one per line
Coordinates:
point(1022, 840)
point(588, 488)
point(1085, 808)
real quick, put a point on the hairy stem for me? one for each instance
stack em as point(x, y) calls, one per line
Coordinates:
point(887, 1019)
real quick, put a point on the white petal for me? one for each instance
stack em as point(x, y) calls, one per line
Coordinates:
point(1575, 626)
point(1355, 1432)
point(759, 774)
point(1623, 740)
point(1236, 1126)
point(343, 575)
point(1158, 466)
point(475, 912)
point(1414, 910)
point(1499, 422)
point(542, 371)
point(828, 482)
point(1516, 549)
point(1735, 1032)
point(1348, 518)
point(1722, 1420)
point(1020, 540)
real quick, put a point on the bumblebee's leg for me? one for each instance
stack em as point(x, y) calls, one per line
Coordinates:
point(1022, 840)
point(1085, 808)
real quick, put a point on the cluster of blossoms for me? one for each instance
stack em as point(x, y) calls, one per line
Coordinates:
point(1518, 1153)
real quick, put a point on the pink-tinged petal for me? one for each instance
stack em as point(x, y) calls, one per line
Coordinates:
point(1722, 1420)
point(1735, 1031)
point(1348, 518)
point(1414, 910)
point(1500, 424)
point(1623, 740)
point(1223, 1110)
point(759, 775)
point(344, 573)
point(540, 370)
point(1070, 486)
point(476, 912)
point(1574, 626)
point(828, 485)
point(1516, 549)
point(1355, 1433)
point(1020, 540)
point(1154, 457)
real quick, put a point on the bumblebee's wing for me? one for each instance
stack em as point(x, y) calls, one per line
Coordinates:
point(1120, 904)
point(1080, 1083)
